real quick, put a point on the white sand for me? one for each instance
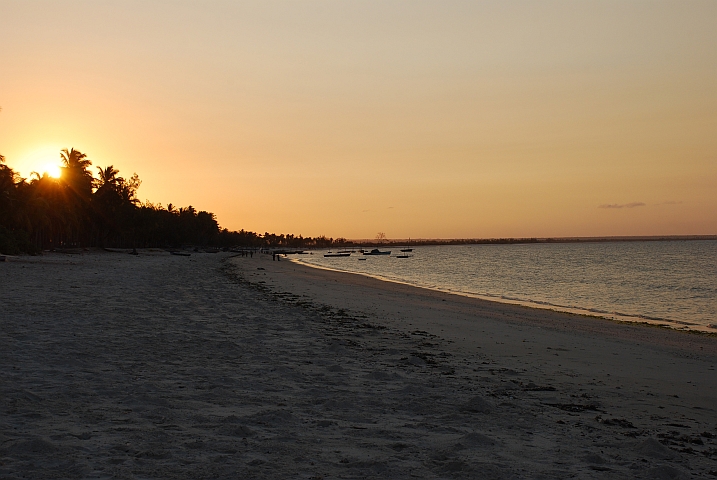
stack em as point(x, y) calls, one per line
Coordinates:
point(158, 366)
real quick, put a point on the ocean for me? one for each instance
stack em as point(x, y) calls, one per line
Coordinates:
point(671, 283)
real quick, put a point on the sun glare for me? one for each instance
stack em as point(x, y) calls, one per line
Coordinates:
point(53, 170)
point(42, 159)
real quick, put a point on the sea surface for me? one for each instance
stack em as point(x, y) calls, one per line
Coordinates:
point(672, 283)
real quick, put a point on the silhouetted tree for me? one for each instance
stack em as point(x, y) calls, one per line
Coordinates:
point(78, 209)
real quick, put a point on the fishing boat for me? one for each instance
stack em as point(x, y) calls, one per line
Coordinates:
point(376, 251)
point(340, 254)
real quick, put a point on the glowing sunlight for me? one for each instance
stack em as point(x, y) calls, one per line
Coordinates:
point(41, 159)
point(52, 170)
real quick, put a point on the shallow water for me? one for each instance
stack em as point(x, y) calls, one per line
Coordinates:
point(672, 282)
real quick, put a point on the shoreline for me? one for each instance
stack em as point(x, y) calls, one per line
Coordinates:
point(354, 286)
point(675, 325)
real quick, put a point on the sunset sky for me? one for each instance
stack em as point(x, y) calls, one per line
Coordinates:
point(417, 119)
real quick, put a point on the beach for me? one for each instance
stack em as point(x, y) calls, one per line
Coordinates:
point(221, 366)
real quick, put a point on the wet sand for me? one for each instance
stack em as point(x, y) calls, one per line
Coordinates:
point(207, 366)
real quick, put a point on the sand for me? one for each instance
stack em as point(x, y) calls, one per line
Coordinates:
point(158, 366)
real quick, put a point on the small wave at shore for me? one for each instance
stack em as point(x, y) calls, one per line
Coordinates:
point(592, 279)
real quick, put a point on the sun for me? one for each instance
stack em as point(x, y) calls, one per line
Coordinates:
point(53, 170)
point(43, 159)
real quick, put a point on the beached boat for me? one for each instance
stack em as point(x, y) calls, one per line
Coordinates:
point(337, 254)
point(403, 256)
point(181, 254)
point(376, 251)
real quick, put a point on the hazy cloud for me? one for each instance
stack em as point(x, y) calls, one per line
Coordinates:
point(622, 205)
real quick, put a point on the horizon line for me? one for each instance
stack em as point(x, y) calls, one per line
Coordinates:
point(566, 238)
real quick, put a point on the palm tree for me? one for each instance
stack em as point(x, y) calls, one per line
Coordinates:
point(77, 181)
point(31, 214)
point(107, 176)
point(75, 172)
point(8, 178)
point(75, 159)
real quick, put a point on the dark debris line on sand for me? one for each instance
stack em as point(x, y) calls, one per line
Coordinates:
point(167, 369)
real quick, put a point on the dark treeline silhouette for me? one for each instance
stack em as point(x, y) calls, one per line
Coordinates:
point(79, 209)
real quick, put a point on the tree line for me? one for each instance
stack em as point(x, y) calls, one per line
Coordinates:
point(84, 209)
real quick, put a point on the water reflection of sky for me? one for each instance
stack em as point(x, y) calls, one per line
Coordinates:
point(674, 281)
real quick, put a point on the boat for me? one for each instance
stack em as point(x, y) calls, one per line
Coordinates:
point(337, 254)
point(181, 254)
point(376, 251)
point(408, 247)
point(403, 256)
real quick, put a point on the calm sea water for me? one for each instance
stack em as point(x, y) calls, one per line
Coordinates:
point(671, 283)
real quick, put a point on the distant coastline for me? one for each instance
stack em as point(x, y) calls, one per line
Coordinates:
point(504, 241)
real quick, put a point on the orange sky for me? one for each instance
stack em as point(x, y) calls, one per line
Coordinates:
point(417, 119)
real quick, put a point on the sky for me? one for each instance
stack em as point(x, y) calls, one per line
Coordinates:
point(421, 119)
